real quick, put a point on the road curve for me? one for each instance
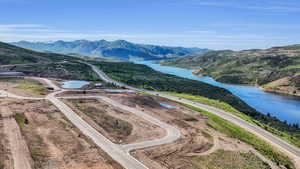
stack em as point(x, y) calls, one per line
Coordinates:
point(172, 133)
point(272, 139)
point(48, 82)
point(120, 153)
point(113, 150)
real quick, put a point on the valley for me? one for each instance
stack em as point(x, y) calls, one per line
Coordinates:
point(199, 84)
point(144, 126)
point(53, 137)
point(275, 69)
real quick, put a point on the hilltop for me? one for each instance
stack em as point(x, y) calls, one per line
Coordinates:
point(276, 69)
point(10, 54)
point(119, 49)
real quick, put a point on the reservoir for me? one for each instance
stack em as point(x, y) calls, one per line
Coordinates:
point(285, 108)
point(74, 84)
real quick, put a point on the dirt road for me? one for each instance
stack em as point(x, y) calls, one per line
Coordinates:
point(17, 145)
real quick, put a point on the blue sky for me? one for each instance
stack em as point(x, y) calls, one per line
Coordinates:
point(215, 24)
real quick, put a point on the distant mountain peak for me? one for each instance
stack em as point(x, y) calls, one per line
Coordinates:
point(120, 49)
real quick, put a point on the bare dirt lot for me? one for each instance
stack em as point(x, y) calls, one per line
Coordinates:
point(118, 125)
point(53, 142)
point(198, 141)
point(23, 86)
point(5, 155)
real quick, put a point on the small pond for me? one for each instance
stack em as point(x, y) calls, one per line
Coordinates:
point(167, 106)
point(119, 90)
point(74, 84)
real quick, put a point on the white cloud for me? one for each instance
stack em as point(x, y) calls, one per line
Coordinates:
point(192, 38)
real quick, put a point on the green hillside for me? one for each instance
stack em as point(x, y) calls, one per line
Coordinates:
point(145, 77)
point(10, 54)
point(249, 67)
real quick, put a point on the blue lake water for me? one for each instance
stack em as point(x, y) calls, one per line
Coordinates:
point(281, 106)
point(167, 106)
point(119, 90)
point(74, 84)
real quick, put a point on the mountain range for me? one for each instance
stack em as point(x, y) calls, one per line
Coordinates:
point(10, 54)
point(275, 69)
point(119, 49)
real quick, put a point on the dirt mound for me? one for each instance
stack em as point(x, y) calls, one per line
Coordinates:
point(134, 100)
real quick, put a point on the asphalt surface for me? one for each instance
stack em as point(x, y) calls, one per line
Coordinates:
point(113, 150)
point(172, 133)
point(48, 82)
point(120, 153)
point(272, 139)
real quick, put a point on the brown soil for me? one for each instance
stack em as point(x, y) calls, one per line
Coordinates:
point(197, 139)
point(6, 160)
point(54, 142)
point(17, 145)
point(284, 86)
point(11, 84)
point(119, 126)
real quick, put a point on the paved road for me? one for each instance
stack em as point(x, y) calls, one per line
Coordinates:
point(120, 153)
point(107, 79)
point(48, 82)
point(274, 140)
point(114, 150)
point(172, 133)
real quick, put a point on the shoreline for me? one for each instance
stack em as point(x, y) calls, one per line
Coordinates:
point(279, 92)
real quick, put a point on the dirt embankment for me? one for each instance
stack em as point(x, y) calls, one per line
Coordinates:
point(287, 85)
point(54, 142)
point(6, 161)
point(119, 126)
point(15, 151)
point(198, 139)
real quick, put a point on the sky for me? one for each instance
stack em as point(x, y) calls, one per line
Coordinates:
point(213, 24)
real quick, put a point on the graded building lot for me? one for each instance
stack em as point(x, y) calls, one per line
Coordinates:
point(198, 139)
point(23, 86)
point(54, 142)
point(119, 126)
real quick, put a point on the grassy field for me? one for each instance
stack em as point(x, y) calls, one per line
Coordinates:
point(226, 107)
point(237, 132)
point(228, 160)
point(33, 86)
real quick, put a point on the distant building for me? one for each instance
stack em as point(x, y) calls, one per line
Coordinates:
point(98, 84)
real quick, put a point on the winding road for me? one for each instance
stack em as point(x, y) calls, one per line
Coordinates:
point(293, 151)
point(120, 153)
point(172, 133)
